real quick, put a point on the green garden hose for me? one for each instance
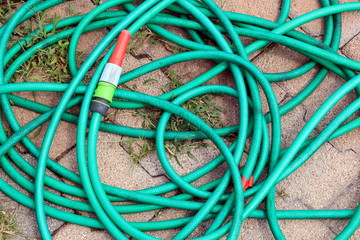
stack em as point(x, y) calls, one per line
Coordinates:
point(213, 34)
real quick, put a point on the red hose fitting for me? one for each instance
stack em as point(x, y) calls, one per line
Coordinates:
point(247, 183)
point(118, 55)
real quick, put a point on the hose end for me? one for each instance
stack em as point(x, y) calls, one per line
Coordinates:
point(110, 76)
point(120, 49)
point(247, 183)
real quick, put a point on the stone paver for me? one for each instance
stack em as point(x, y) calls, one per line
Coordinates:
point(64, 137)
point(350, 48)
point(82, 233)
point(258, 8)
point(71, 8)
point(294, 229)
point(292, 123)
point(114, 163)
point(88, 41)
point(330, 84)
point(315, 229)
point(313, 28)
point(25, 217)
point(348, 141)
point(142, 83)
point(298, 8)
point(316, 183)
point(174, 213)
point(255, 229)
point(185, 164)
point(278, 59)
point(348, 199)
point(168, 214)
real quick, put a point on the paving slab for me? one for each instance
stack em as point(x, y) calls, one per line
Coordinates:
point(298, 8)
point(71, 8)
point(320, 179)
point(88, 41)
point(329, 85)
point(76, 232)
point(143, 83)
point(293, 87)
point(258, 8)
point(114, 163)
point(25, 217)
point(316, 27)
point(64, 136)
point(350, 48)
point(279, 59)
point(294, 229)
point(187, 70)
point(292, 123)
point(315, 229)
point(348, 199)
point(349, 141)
point(254, 229)
point(169, 214)
point(27, 229)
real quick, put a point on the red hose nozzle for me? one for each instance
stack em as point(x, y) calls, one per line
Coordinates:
point(118, 55)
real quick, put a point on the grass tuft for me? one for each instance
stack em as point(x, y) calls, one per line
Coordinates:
point(202, 106)
point(8, 225)
point(48, 64)
point(95, 2)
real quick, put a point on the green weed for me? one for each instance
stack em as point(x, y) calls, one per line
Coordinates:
point(138, 148)
point(8, 225)
point(282, 193)
point(202, 106)
point(222, 3)
point(95, 2)
point(7, 9)
point(141, 148)
point(49, 64)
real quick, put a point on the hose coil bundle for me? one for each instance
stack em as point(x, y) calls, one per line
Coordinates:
point(214, 36)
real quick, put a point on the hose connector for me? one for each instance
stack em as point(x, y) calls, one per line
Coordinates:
point(110, 76)
point(247, 183)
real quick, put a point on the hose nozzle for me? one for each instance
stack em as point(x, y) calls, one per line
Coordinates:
point(110, 76)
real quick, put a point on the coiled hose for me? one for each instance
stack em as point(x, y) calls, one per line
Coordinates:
point(204, 21)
